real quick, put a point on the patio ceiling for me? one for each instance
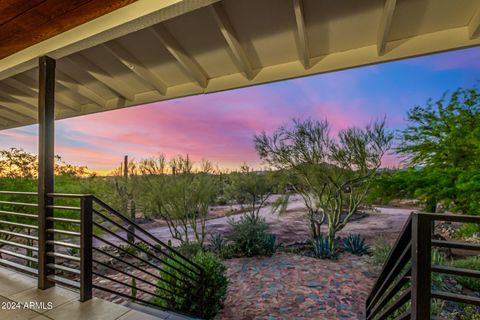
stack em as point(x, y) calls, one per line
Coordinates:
point(157, 50)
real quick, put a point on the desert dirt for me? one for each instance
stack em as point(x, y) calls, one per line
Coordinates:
point(291, 226)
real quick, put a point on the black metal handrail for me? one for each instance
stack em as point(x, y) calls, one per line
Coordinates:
point(76, 228)
point(404, 284)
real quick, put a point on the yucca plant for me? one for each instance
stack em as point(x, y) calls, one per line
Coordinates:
point(355, 244)
point(321, 249)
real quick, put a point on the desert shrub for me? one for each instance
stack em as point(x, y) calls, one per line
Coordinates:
point(438, 259)
point(132, 249)
point(321, 249)
point(190, 249)
point(250, 236)
point(74, 252)
point(381, 251)
point(470, 313)
point(471, 263)
point(436, 307)
point(468, 230)
point(220, 246)
point(355, 244)
point(184, 300)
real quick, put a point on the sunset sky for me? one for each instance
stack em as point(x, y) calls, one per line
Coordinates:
point(220, 126)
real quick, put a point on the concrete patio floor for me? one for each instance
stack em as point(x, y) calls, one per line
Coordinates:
point(20, 299)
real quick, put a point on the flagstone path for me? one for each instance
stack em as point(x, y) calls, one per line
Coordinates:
point(289, 286)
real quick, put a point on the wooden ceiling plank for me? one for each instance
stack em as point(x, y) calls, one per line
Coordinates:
point(185, 60)
point(10, 9)
point(132, 63)
point(474, 25)
point(302, 42)
point(385, 24)
point(101, 75)
point(228, 32)
point(38, 15)
point(71, 84)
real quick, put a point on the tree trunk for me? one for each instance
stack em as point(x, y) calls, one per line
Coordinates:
point(331, 238)
point(431, 204)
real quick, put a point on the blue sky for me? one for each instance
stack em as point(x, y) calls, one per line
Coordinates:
point(220, 126)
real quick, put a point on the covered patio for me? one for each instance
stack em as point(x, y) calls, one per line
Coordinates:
point(95, 56)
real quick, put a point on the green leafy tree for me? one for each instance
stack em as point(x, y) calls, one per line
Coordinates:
point(16, 163)
point(335, 173)
point(442, 141)
point(251, 188)
point(180, 195)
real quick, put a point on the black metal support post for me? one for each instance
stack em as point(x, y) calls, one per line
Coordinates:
point(86, 231)
point(421, 266)
point(46, 154)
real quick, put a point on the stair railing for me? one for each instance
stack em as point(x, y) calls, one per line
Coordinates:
point(404, 288)
point(92, 248)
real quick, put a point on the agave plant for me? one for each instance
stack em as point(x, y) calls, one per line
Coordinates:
point(355, 244)
point(321, 249)
point(270, 244)
point(217, 242)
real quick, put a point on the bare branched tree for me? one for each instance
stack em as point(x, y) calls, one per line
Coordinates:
point(335, 173)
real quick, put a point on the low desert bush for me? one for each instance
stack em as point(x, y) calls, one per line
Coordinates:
point(220, 246)
point(468, 230)
point(470, 312)
point(438, 259)
point(175, 295)
point(380, 251)
point(250, 237)
point(471, 263)
point(190, 249)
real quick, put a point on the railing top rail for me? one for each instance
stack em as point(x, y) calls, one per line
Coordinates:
point(18, 193)
point(451, 217)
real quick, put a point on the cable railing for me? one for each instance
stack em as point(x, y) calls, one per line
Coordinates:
point(93, 248)
point(19, 231)
point(403, 289)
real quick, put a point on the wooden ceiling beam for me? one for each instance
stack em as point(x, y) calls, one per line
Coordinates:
point(18, 95)
point(385, 24)
point(226, 28)
point(27, 85)
point(12, 115)
point(302, 41)
point(132, 63)
point(4, 121)
point(80, 89)
point(101, 75)
point(176, 50)
point(474, 25)
point(19, 108)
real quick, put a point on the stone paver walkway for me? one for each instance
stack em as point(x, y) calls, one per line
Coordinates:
point(289, 286)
